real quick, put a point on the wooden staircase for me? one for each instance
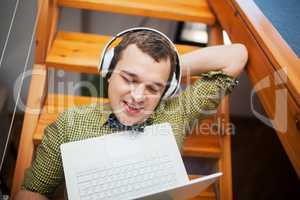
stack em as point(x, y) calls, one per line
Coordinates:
point(80, 52)
point(193, 10)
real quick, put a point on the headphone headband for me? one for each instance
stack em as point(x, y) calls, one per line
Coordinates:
point(107, 56)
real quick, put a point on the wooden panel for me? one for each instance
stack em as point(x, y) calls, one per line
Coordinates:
point(224, 162)
point(213, 139)
point(34, 104)
point(202, 146)
point(80, 52)
point(261, 70)
point(52, 21)
point(207, 137)
point(274, 46)
point(76, 52)
point(41, 32)
point(182, 10)
point(204, 140)
point(215, 36)
point(46, 28)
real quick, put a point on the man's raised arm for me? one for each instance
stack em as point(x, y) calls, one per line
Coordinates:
point(230, 59)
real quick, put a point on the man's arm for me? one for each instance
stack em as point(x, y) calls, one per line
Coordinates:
point(230, 59)
point(24, 194)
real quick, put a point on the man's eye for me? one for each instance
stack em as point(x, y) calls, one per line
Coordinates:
point(153, 90)
point(127, 79)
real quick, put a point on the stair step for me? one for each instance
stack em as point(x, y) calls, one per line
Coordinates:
point(80, 52)
point(207, 194)
point(196, 146)
point(181, 10)
point(202, 146)
point(203, 141)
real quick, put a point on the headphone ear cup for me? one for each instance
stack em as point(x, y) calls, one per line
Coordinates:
point(106, 62)
point(173, 88)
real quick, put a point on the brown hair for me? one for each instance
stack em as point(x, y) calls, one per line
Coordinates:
point(149, 42)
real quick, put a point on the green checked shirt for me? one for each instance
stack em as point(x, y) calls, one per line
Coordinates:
point(78, 123)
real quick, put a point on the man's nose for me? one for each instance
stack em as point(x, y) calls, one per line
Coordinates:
point(138, 93)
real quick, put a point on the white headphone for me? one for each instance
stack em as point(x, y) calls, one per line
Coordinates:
point(108, 54)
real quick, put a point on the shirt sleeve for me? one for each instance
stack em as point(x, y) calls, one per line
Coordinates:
point(46, 171)
point(203, 98)
point(200, 99)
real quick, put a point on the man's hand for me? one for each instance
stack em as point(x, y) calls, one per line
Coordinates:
point(24, 195)
point(230, 59)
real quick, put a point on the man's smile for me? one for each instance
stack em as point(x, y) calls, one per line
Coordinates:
point(131, 108)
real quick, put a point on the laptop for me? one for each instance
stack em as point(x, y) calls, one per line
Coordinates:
point(129, 165)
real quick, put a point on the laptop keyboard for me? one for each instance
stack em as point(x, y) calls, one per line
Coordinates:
point(127, 178)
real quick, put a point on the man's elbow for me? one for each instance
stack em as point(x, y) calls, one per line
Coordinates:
point(240, 59)
point(243, 54)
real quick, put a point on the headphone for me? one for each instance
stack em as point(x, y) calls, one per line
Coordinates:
point(108, 54)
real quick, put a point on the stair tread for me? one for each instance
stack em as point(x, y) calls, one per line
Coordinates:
point(207, 194)
point(195, 145)
point(202, 146)
point(80, 52)
point(182, 10)
point(203, 140)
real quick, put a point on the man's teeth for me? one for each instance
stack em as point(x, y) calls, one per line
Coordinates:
point(136, 108)
point(133, 107)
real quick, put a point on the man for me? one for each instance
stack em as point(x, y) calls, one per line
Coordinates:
point(140, 71)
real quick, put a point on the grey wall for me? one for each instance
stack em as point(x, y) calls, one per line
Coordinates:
point(18, 43)
point(240, 99)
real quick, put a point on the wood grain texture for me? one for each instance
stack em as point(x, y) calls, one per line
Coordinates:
point(80, 52)
point(274, 46)
point(224, 162)
point(34, 104)
point(47, 23)
point(261, 68)
point(181, 10)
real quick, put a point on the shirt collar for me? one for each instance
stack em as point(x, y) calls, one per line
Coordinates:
point(106, 110)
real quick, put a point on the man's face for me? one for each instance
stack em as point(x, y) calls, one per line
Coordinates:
point(136, 85)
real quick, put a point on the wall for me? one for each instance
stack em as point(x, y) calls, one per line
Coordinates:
point(17, 48)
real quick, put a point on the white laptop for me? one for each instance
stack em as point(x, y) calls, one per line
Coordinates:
point(129, 165)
